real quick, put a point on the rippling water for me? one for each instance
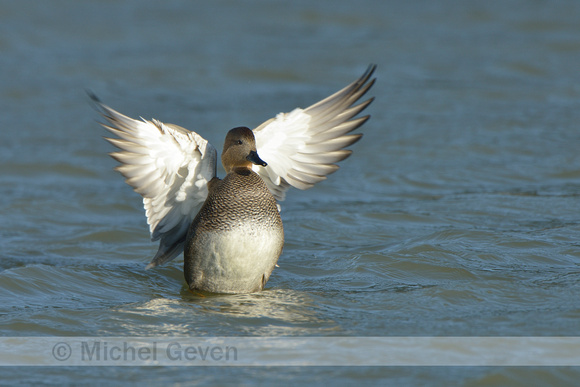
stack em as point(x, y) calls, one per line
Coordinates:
point(457, 215)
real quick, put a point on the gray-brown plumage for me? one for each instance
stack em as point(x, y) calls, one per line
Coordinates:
point(236, 238)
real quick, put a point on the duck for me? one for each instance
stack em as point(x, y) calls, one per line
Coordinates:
point(230, 230)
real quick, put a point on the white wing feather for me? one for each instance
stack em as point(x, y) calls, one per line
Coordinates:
point(170, 167)
point(302, 146)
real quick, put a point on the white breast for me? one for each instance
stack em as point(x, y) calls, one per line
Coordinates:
point(235, 261)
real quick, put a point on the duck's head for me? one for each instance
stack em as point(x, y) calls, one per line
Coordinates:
point(240, 150)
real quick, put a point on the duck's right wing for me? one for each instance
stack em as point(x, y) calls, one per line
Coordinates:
point(170, 167)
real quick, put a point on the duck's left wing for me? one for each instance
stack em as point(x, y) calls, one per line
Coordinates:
point(302, 147)
point(170, 167)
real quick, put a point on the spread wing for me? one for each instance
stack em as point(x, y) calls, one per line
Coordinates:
point(302, 147)
point(170, 167)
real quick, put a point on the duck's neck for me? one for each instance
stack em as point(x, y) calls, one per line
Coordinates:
point(244, 171)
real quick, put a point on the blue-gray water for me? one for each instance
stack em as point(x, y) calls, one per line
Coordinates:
point(457, 215)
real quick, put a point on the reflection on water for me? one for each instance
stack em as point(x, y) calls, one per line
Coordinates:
point(270, 313)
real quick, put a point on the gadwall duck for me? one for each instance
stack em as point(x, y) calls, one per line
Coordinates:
point(230, 230)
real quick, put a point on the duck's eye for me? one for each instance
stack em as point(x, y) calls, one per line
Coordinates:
point(240, 142)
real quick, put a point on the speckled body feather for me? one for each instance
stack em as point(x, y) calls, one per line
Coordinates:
point(235, 240)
